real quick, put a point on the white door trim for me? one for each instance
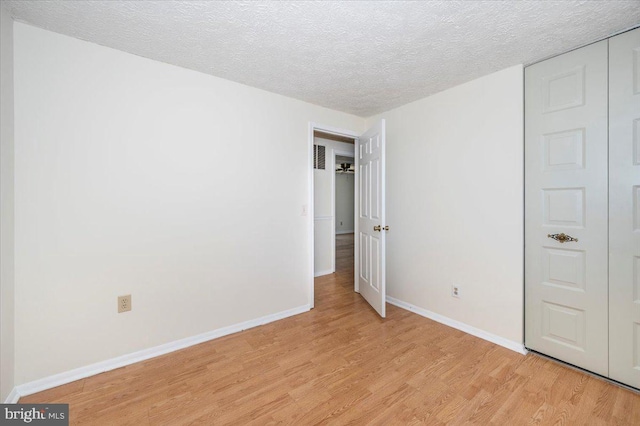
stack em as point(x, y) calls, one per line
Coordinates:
point(310, 216)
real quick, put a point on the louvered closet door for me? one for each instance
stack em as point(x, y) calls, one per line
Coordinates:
point(624, 207)
point(566, 193)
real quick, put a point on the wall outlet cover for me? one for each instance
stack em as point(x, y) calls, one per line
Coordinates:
point(124, 303)
point(455, 291)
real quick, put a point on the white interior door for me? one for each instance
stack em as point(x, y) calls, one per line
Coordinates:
point(370, 238)
point(624, 208)
point(566, 280)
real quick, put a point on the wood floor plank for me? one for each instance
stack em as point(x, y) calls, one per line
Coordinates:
point(342, 364)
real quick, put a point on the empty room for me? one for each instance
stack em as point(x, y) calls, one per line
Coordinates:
point(319, 212)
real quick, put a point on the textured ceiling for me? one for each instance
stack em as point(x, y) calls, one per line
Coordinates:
point(357, 57)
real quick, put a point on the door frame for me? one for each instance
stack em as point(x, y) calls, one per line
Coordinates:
point(310, 210)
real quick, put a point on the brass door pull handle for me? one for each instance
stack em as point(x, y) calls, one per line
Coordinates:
point(562, 238)
point(380, 228)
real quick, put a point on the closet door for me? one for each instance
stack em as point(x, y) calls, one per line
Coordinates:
point(566, 279)
point(624, 207)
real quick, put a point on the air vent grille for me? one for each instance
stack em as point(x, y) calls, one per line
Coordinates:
point(319, 157)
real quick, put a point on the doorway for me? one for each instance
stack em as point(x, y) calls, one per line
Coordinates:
point(344, 190)
point(369, 196)
point(325, 143)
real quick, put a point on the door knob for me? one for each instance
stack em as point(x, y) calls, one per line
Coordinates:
point(377, 228)
point(562, 238)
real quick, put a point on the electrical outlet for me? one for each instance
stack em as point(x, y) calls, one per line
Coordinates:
point(124, 303)
point(455, 291)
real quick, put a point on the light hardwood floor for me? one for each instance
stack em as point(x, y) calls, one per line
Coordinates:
point(342, 364)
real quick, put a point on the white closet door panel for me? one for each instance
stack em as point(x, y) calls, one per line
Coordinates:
point(566, 192)
point(624, 207)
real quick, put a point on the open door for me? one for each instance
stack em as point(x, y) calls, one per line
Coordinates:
point(370, 237)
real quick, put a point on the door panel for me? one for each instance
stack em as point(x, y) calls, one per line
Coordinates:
point(564, 207)
point(364, 258)
point(566, 192)
point(624, 207)
point(375, 196)
point(564, 150)
point(563, 90)
point(371, 214)
point(364, 190)
point(564, 268)
point(375, 263)
point(563, 325)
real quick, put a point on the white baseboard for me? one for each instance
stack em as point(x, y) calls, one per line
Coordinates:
point(13, 397)
point(121, 361)
point(493, 338)
point(344, 232)
point(321, 273)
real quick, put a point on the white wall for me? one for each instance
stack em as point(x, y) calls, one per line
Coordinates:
point(7, 204)
point(455, 203)
point(122, 186)
point(323, 205)
point(344, 203)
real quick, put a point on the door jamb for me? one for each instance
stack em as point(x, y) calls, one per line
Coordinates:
point(310, 210)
